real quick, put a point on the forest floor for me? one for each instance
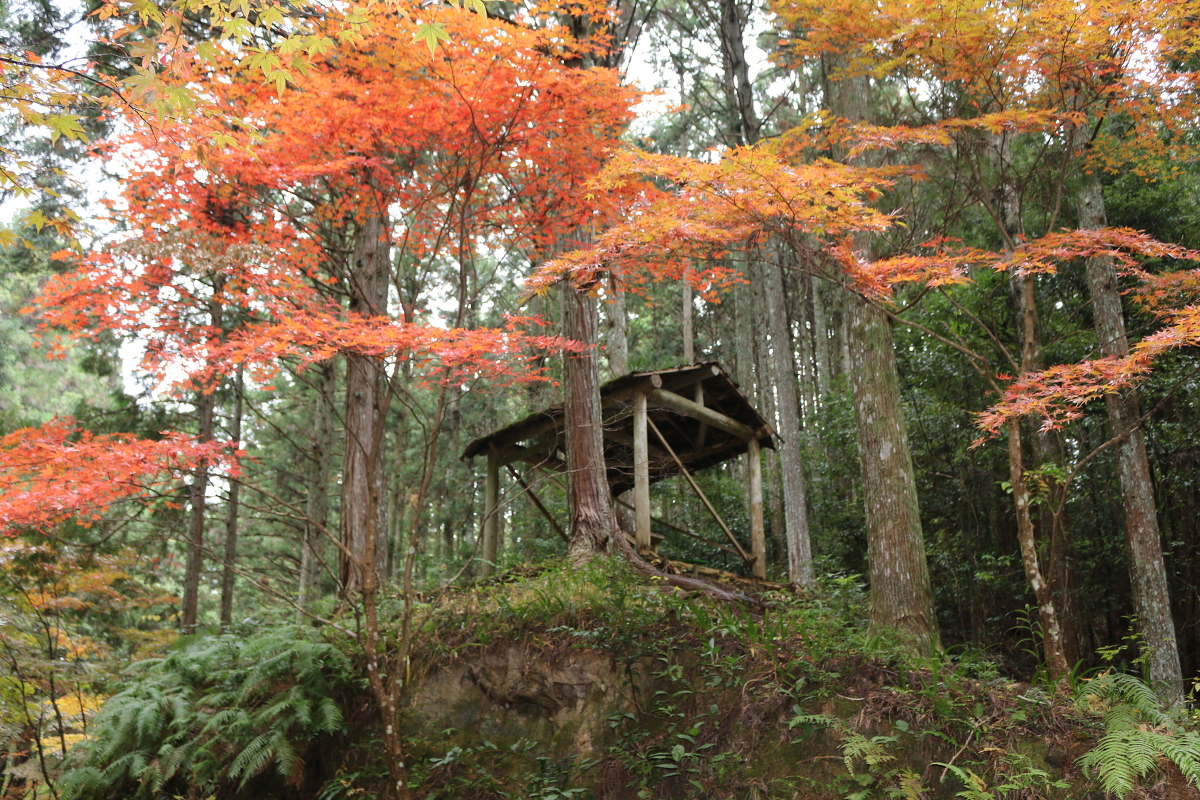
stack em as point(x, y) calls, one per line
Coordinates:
point(555, 682)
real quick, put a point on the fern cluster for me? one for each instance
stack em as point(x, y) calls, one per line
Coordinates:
point(1138, 735)
point(212, 716)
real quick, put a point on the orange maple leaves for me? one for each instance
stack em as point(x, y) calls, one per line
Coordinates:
point(239, 221)
point(54, 473)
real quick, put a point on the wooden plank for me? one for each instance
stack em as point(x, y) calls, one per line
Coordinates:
point(703, 425)
point(689, 408)
point(758, 539)
point(641, 474)
point(699, 492)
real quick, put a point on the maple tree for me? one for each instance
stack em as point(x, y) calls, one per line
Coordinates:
point(1077, 88)
point(353, 238)
point(421, 161)
point(1052, 74)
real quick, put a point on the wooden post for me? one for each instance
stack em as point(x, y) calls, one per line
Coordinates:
point(703, 425)
point(641, 474)
point(758, 540)
point(491, 521)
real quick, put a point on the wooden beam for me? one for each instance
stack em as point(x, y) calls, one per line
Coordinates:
point(699, 492)
point(686, 532)
point(548, 429)
point(546, 443)
point(538, 502)
point(758, 539)
point(689, 408)
point(641, 473)
point(621, 437)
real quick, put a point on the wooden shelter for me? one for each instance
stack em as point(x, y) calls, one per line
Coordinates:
point(657, 425)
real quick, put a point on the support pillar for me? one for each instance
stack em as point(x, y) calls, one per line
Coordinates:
point(641, 474)
point(491, 520)
point(758, 540)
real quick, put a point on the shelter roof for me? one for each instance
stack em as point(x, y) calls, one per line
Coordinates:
point(701, 414)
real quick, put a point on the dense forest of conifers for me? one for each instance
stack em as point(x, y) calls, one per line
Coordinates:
point(267, 276)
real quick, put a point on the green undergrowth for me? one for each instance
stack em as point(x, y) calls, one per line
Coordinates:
point(567, 682)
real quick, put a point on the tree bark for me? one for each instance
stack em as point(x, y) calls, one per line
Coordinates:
point(617, 348)
point(759, 347)
point(593, 522)
point(362, 474)
point(901, 597)
point(617, 339)
point(316, 509)
point(1056, 662)
point(205, 406)
point(205, 402)
point(739, 91)
point(1147, 571)
point(689, 334)
point(791, 451)
point(231, 512)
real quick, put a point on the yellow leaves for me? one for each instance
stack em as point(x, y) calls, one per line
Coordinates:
point(65, 125)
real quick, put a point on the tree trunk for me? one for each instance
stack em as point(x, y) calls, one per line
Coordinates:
point(1056, 662)
point(316, 510)
point(362, 474)
point(1050, 603)
point(618, 335)
point(1147, 572)
point(617, 340)
point(205, 406)
point(805, 312)
point(791, 451)
point(231, 512)
point(823, 365)
point(760, 349)
point(739, 92)
point(205, 402)
point(689, 335)
point(593, 523)
point(901, 597)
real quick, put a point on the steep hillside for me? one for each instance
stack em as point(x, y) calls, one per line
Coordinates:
point(591, 684)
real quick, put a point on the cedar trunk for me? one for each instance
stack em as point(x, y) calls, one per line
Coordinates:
point(1147, 572)
point(901, 598)
point(791, 457)
point(231, 512)
point(205, 403)
point(362, 470)
point(316, 508)
point(205, 406)
point(593, 523)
